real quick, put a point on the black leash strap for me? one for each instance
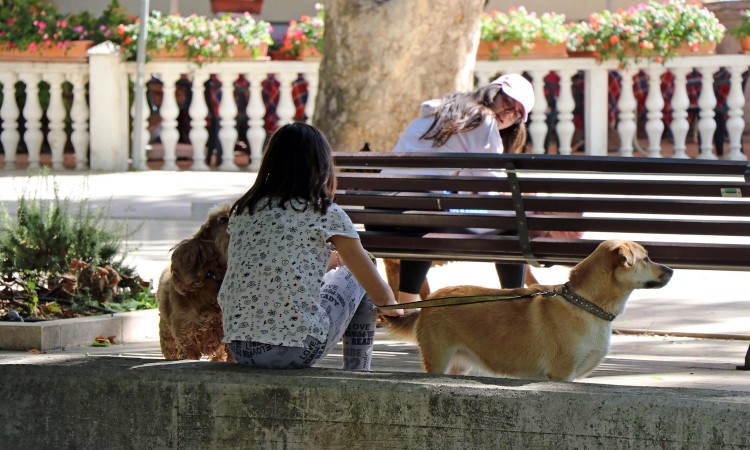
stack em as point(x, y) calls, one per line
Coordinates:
point(454, 301)
point(521, 221)
point(563, 292)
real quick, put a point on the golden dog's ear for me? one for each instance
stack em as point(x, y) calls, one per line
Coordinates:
point(625, 255)
point(189, 257)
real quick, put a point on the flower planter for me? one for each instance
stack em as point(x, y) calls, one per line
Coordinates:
point(309, 54)
point(136, 326)
point(75, 52)
point(745, 44)
point(537, 50)
point(181, 54)
point(702, 50)
point(236, 6)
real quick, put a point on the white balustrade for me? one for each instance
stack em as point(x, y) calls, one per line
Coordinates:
point(565, 106)
point(9, 112)
point(626, 107)
point(707, 102)
point(538, 127)
point(680, 104)
point(79, 116)
point(198, 111)
point(139, 160)
point(106, 127)
point(654, 106)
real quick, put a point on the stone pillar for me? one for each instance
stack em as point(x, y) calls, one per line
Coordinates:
point(108, 124)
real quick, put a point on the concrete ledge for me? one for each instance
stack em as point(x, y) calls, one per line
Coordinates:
point(63, 401)
point(133, 326)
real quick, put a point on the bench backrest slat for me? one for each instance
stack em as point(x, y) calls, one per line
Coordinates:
point(691, 213)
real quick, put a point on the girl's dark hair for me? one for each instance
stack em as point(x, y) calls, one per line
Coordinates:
point(464, 111)
point(297, 165)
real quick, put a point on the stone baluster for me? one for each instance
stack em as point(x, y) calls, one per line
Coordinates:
point(169, 112)
point(565, 107)
point(538, 126)
point(654, 107)
point(228, 122)
point(680, 104)
point(57, 137)
point(626, 106)
point(9, 112)
point(707, 103)
point(256, 132)
point(32, 112)
point(79, 116)
point(198, 112)
point(312, 94)
point(286, 108)
point(596, 120)
point(139, 161)
point(735, 122)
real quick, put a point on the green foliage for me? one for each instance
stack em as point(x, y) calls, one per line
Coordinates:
point(649, 30)
point(307, 32)
point(56, 253)
point(523, 28)
point(31, 24)
point(203, 39)
point(743, 29)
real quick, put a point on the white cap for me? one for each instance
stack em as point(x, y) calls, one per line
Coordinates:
point(518, 88)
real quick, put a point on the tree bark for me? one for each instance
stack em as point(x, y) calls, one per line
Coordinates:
point(382, 58)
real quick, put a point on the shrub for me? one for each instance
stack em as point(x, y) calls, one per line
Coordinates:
point(57, 260)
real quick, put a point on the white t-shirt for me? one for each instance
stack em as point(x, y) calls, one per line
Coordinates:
point(277, 259)
point(483, 139)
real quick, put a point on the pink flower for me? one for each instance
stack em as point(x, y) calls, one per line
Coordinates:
point(42, 25)
point(32, 46)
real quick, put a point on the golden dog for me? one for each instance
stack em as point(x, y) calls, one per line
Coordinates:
point(190, 323)
point(540, 337)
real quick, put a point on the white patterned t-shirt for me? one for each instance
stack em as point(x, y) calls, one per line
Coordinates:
point(276, 261)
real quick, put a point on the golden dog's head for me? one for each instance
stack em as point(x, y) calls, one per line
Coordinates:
point(630, 265)
point(205, 252)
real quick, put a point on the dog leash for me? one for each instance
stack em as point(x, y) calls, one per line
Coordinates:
point(563, 292)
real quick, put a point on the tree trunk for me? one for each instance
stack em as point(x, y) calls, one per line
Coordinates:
point(382, 58)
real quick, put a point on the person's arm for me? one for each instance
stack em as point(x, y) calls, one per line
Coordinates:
point(356, 259)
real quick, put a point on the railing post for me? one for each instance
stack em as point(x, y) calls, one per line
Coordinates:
point(595, 121)
point(109, 119)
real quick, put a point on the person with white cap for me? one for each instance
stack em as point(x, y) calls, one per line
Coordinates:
point(491, 119)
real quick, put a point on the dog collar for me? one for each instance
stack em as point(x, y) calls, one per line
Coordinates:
point(584, 304)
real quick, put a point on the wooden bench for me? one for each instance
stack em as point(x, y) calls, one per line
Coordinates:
point(688, 213)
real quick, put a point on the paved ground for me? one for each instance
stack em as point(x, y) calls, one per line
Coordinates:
point(705, 314)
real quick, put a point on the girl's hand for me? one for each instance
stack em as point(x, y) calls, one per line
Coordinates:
point(391, 312)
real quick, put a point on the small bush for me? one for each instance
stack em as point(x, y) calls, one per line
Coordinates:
point(64, 259)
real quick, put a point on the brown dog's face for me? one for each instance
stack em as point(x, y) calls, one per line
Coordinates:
point(205, 252)
point(633, 267)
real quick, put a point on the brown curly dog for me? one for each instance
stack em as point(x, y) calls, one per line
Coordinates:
point(190, 325)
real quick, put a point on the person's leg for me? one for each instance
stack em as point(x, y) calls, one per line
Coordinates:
point(267, 356)
point(360, 336)
point(352, 317)
point(340, 297)
point(511, 275)
point(412, 274)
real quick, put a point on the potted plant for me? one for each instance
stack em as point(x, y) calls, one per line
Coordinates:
point(650, 30)
point(198, 38)
point(32, 29)
point(304, 37)
point(520, 33)
point(742, 31)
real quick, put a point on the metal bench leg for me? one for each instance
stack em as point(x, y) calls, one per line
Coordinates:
point(747, 361)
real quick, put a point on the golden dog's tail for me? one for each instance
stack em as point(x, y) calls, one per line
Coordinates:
point(403, 327)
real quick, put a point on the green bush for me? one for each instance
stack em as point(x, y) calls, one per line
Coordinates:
point(63, 259)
